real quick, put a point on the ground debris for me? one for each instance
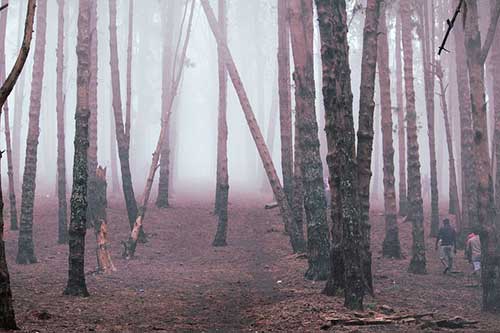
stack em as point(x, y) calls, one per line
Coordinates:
point(452, 323)
point(372, 318)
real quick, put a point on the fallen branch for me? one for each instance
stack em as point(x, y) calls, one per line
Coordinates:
point(357, 320)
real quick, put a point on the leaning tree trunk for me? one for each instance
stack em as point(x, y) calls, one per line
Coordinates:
point(267, 161)
point(10, 168)
point(26, 250)
point(485, 207)
point(365, 131)
point(391, 247)
point(62, 237)
point(168, 57)
point(428, 57)
point(415, 207)
point(301, 27)
point(337, 96)
point(7, 316)
point(466, 139)
point(121, 137)
point(449, 141)
point(76, 285)
point(222, 186)
point(403, 200)
point(92, 151)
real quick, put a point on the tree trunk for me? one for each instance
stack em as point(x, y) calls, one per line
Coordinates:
point(104, 262)
point(130, 43)
point(298, 188)
point(485, 207)
point(274, 181)
point(337, 96)
point(18, 111)
point(10, 172)
point(403, 200)
point(449, 141)
point(115, 183)
point(391, 247)
point(284, 85)
point(168, 59)
point(428, 61)
point(222, 186)
point(495, 60)
point(415, 206)
point(365, 131)
point(77, 228)
point(26, 250)
point(61, 146)
point(301, 27)
point(121, 138)
point(467, 170)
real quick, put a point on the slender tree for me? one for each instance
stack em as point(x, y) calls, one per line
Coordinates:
point(495, 59)
point(428, 62)
point(130, 42)
point(121, 137)
point(485, 207)
point(415, 206)
point(76, 273)
point(10, 168)
point(403, 200)
point(301, 27)
point(61, 148)
point(391, 247)
point(222, 186)
point(265, 156)
point(7, 316)
point(365, 131)
point(26, 250)
point(337, 94)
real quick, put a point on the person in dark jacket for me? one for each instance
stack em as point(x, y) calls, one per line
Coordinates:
point(447, 240)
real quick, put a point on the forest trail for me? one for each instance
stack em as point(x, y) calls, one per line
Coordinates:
point(178, 282)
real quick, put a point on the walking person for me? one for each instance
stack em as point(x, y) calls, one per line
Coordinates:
point(447, 242)
point(473, 254)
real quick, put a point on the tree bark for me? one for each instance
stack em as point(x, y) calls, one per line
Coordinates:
point(391, 247)
point(26, 250)
point(301, 27)
point(285, 106)
point(121, 138)
point(415, 206)
point(10, 169)
point(403, 200)
point(365, 131)
point(130, 43)
point(485, 207)
point(62, 215)
point(449, 142)
point(76, 285)
point(274, 181)
point(428, 62)
point(337, 94)
point(222, 186)
point(495, 60)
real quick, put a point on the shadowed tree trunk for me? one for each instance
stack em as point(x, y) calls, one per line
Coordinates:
point(301, 27)
point(485, 207)
point(26, 250)
point(403, 200)
point(274, 181)
point(391, 247)
point(449, 142)
point(222, 186)
point(495, 59)
point(337, 94)
point(62, 215)
point(76, 285)
point(7, 316)
point(121, 137)
point(130, 43)
point(415, 205)
point(92, 151)
point(10, 169)
point(365, 131)
point(284, 85)
point(467, 172)
point(115, 183)
point(298, 188)
point(428, 62)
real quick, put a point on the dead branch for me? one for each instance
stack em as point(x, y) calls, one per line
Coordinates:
point(4, 6)
point(450, 26)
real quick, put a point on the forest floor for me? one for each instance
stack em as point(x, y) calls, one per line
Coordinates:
point(179, 282)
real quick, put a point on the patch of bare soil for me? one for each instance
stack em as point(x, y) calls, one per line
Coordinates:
point(179, 282)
